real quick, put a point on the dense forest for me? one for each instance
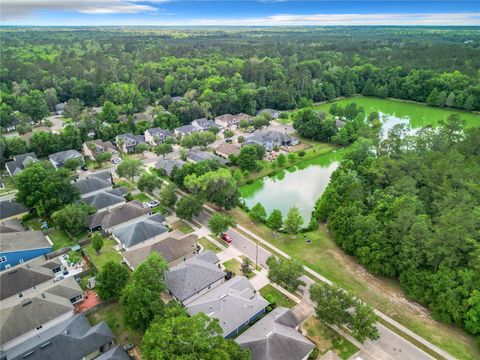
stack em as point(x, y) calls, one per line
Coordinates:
point(225, 70)
point(408, 207)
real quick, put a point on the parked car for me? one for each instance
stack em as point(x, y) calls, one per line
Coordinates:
point(225, 237)
point(153, 203)
point(117, 160)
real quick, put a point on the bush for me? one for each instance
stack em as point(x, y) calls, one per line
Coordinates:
point(271, 299)
point(301, 153)
point(246, 173)
point(241, 139)
point(276, 148)
point(269, 308)
point(313, 355)
point(129, 196)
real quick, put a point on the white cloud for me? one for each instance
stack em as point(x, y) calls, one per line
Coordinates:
point(20, 9)
point(466, 18)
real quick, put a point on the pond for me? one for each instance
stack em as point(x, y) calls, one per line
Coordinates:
point(299, 186)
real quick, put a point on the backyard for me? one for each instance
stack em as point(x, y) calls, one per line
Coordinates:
point(107, 253)
point(385, 294)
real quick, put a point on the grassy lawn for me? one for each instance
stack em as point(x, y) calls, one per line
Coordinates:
point(113, 315)
point(107, 253)
point(33, 224)
point(327, 339)
point(183, 227)
point(235, 266)
point(208, 245)
point(60, 239)
point(141, 197)
point(280, 298)
point(385, 294)
point(126, 184)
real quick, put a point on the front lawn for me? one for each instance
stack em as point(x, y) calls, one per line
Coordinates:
point(107, 253)
point(33, 224)
point(235, 267)
point(208, 245)
point(113, 315)
point(126, 184)
point(141, 197)
point(327, 339)
point(182, 226)
point(280, 298)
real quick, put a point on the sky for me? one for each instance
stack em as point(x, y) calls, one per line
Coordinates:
point(237, 13)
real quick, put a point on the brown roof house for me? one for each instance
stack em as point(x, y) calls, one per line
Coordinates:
point(109, 220)
point(225, 150)
point(232, 121)
point(174, 247)
point(92, 148)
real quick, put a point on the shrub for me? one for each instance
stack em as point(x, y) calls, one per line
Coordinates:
point(270, 298)
point(313, 354)
point(301, 153)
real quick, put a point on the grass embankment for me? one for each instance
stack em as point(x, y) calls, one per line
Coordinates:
point(280, 298)
point(385, 294)
point(314, 149)
point(327, 339)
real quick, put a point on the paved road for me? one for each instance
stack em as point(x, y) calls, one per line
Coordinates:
point(249, 248)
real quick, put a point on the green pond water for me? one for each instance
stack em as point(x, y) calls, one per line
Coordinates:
point(299, 186)
point(303, 184)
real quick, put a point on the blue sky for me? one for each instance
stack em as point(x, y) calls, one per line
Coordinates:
point(239, 13)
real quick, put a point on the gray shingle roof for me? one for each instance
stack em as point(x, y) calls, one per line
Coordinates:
point(270, 136)
point(94, 182)
point(193, 275)
point(11, 225)
point(9, 208)
point(171, 246)
point(31, 313)
point(71, 340)
point(116, 216)
point(274, 338)
point(62, 156)
point(199, 156)
point(169, 165)
point(115, 353)
point(160, 133)
point(119, 191)
point(233, 303)
point(23, 240)
point(21, 278)
point(141, 231)
point(186, 129)
point(19, 162)
point(103, 199)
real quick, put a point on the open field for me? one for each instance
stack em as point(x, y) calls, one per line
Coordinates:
point(385, 294)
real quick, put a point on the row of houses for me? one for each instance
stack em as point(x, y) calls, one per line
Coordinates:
point(40, 319)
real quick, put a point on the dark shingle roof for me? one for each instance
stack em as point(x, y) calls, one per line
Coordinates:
point(199, 156)
point(94, 182)
point(21, 278)
point(19, 162)
point(275, 338)
point(115, 353)
point(23, 240)
point(116, 216)
point(103, 199)
point(161, 133)
point(11, 225)
point(169, 165)
point(141, 231)
point(186, 129)
point(62, 156)
point(193, 275)
point(71, 340)
point(9, 208)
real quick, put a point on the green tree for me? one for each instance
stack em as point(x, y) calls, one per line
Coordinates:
point(219, 223)
point(294, 221)
point(73, 258)
point(275, 220)
point(129, 168)
point(285, 272)
point(111, 280)
point(109, 113)
point(149, 183)
point(168, 196)
point(141, 148)
point(73, 164)
point(228, 134)
point(141, 297)
point(15, 146)
point(247, 158)
point(188, 207)
point(102, 157)
point(258, 213)
point(73, 218)
point(44, 188)
point(178, 336)
point(97, 242)
point(281, 159)
point(246, 266)
point(163, 149)
point(34, 104)
point(73, 109)
point(313, 124)
point(244, 124)
point(205, 138)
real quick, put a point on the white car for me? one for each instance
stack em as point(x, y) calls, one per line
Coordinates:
point(153, 203)
point(117, 160)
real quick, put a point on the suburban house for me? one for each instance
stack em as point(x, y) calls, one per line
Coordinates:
point(196, 125)
point(225, 150)
point(108, 220)
point(92, 148)
point(11, 209)
point(19, 162)
point(185, 130)
point(192, 278)
point(103, 200)
point(70, 340)
point(30, 314)
point(58, 159)
point(23, 279)
point(60, 108)
point(142, 116)
point(167, 166)
point(115, 353)
point(234, 303)
point(275, 114)
point(11, 225)
point(95, 182)
point(232, 121)
point(140, 231)
point(156, 136)
point(195, 156)
point(276, 337)
point(174, 247)
point(270, 139)
point(18, 245)
point(127, 143)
